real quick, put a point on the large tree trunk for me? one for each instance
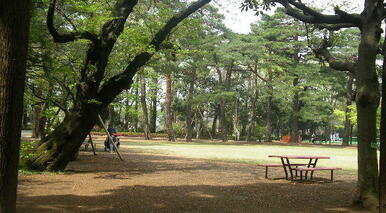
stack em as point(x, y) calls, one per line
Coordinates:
point(153, 114)
point(347, 122)
point(295, 112)
point(14, 25)
point(189, 112)
point(145, 122)
point(367, 100)
point(54, 153)
point(382, 139)
point(168, 108)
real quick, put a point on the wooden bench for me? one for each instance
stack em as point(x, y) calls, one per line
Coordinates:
point(278, 165)
point(301, 169)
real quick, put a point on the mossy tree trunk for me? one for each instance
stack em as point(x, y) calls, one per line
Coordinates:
point(59, 147)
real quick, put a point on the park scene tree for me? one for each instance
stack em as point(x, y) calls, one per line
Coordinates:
point(138, 104)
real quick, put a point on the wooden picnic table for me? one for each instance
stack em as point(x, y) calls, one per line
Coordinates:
point(289, 167)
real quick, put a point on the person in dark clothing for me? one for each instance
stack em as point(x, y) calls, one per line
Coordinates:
point(109, 144)
point(314, 138)
point(111, 130)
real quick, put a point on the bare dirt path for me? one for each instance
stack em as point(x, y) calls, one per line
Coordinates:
point(154, 182)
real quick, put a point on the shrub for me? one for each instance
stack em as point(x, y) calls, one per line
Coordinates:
point(26, 153)
point(179, 130)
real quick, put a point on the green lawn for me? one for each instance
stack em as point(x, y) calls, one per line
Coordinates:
point(344, 157)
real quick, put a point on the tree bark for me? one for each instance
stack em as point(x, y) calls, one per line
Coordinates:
point(367, 100)
point(145, 122)
point(347, 122)
point(14, 30)
point(54, 153)
point(168, 108)
point(382, 139)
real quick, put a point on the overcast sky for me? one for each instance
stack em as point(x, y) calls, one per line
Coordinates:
point(240, 21)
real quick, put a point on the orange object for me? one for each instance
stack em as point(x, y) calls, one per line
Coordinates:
point(287, 139)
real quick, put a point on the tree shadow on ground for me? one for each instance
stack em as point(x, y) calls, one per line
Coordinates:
point(263, 197)
point(196, 186)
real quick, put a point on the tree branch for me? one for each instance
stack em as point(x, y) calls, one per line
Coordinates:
point(124, 80)
point(67, 19)
point(308, 15)
point(66, 37)
point(46, 99)
point(335, 27)
point(323, 54)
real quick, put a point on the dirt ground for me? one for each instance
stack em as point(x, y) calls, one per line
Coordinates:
point(154, 182)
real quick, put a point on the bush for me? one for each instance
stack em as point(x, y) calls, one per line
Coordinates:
point(179, 130)
point(26, 153)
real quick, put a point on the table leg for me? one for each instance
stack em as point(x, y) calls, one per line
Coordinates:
point(308, 166)
point(285, 168)
point(314, 165)
point(290, 169)
point(332, 175)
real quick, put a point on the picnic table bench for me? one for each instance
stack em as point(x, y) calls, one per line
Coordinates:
point(278, 165)
point(316, 169)
point(290, 168)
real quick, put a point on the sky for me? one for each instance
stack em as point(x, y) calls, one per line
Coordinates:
point(240, 21)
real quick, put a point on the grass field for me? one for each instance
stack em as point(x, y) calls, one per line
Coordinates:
point(343, 157)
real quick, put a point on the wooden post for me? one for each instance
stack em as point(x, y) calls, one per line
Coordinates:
point(110, 138)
